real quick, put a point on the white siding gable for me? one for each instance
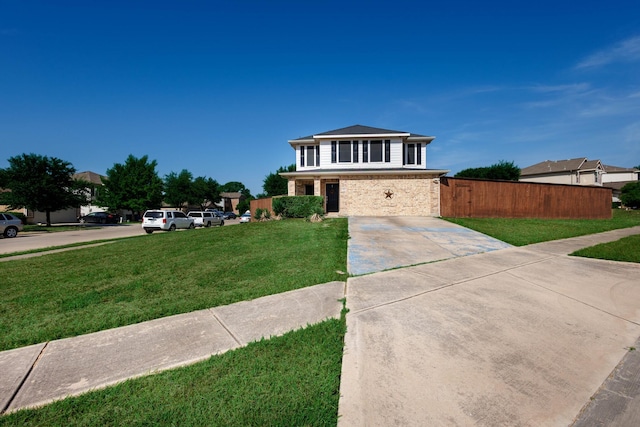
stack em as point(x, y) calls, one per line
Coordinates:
point(395, 159)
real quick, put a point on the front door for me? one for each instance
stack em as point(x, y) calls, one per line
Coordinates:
point(333, 197)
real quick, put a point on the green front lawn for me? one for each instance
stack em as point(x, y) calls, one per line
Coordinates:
point(626, 249)
point(142, 278)
point(520, 232)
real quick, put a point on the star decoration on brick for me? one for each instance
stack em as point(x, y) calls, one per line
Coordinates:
point(388, 194)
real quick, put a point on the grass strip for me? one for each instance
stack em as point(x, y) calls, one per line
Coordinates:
point(289, 380)
point(57, 228)
point(54, 248)
point(626, 249)
point(137, 279)
point(523, 231)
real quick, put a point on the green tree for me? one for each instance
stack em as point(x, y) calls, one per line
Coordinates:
point(630, 195)
point(41, 183)
point(134, 185)
point(178, 188)
point(275, 185)
point(502, 170)
point(236, 187)
point(204, 191)
point(244, 205)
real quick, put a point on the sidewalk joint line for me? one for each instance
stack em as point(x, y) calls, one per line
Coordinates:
point(449, 285)
point(225, 327)
point(24, 380)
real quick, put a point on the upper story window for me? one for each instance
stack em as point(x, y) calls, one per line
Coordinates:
point(344, 151)
point(309, 155)
point(411, 154)
point(376, 150)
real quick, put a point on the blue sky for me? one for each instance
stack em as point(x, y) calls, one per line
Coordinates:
point(219, 87)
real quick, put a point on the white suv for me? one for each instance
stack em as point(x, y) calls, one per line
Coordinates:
point(206, 218)
point(165, 220)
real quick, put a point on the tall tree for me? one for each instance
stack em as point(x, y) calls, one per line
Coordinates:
point(630, 195)
point(274, 184)
point(502, 170)
point(134, 185)
point(177, 188)
point(41, 183)
point(236, 187)
point(204, 191)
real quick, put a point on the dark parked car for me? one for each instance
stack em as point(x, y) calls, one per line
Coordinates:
point(100, 218)
point(229, 215)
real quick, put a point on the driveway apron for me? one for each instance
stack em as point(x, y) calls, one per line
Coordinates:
point(383, 243)
point(513, 337)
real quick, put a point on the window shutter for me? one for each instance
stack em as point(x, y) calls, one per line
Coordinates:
point(334, 151)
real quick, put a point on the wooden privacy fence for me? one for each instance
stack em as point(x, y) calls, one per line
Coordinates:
point(507, 199)
point(261, 204)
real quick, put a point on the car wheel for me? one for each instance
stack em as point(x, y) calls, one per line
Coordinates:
point(149, 231)
point(10, 232)
point(221, 223)
point(192, 226)
point(172, 227)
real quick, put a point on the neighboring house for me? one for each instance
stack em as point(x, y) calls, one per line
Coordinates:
point(229, 202)
point(361, 170)
point(620, 174)
point(92, 191)
point(580, 171)
point(617, 177)
point(70, 214)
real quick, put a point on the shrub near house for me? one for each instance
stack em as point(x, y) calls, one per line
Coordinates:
point(298, 206)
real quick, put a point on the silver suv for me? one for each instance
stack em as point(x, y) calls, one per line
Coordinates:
point(155, 220)
point(10, 225)
point(206, 218)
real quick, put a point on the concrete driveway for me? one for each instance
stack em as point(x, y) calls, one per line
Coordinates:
point(383, 243)
point(511, 337)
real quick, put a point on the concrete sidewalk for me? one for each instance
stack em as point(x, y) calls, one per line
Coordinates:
point(38, 374)
point(520, 336)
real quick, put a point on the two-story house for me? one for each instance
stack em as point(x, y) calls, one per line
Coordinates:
point(579, 171)
point(366, 171)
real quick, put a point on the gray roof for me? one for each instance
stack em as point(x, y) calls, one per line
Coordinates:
point(559, 166)
point(231, 195)
point(360, 130)
point(617, 185)
point(610, 168)
point(91, 177)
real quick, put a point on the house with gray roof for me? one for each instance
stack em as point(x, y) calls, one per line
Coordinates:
point(363, 171)
point(579, 171)
point(617, 177)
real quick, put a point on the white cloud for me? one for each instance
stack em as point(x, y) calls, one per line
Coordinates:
point(568, 88)
point(625, 51)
